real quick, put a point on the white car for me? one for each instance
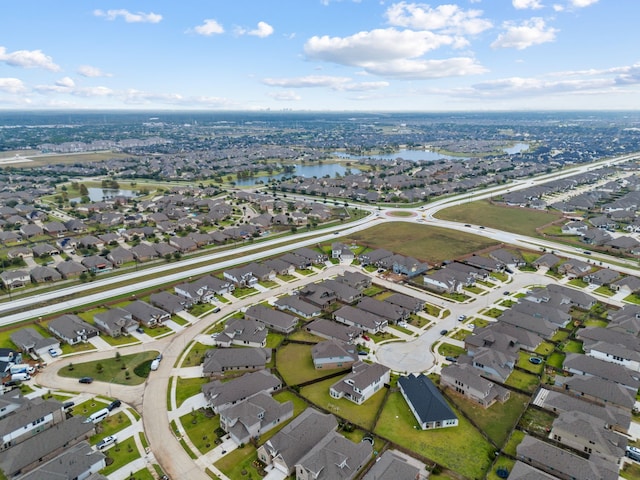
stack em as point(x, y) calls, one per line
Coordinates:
point(106, 441)
point(53, 352)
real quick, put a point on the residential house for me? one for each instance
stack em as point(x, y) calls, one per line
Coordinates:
point(366, 321)
point(279, 266)
point(303, 435)
point(586, 433)
point(447, 281)
point(15, 279)
point(468, 382)
point(29, 419)
point(394, 465)
point(80, 461)
point(143, 252)
point(393, 313)
point(298, 262)
point(168, 302)
point(31, 341)
point(318, 295)
point(44, 249)
point(356, 280)
point(72, 329)
point(401, 265)
point(120, 255)
point(557, 316)
point(183, 244)
point(548, 260)
point(115, 322)
point(222, 395)
point(241, 276)
point(97, 264)
point(588, 366)
point(333, 354)
point(343, 291)
point(342, 252)
point(374, 257)
point(44, 274)
point(221, 360)
point(510, 259)
point(539, 326)
point(242, 332)
point(411, 304)
point(599, 390)
point(147, 314)
point(273, 319)
point(611, 345)
point(335, 458)
point(427, 404)
point(254, 416)
point(312, 256)
point(602, 277)
point(70, 269)
point(333, 330)
point(485, 263)
point(561, 463)
point(629, 284)
point(298, 306)
point(365, 380)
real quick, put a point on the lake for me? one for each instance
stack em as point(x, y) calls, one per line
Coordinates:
point(308, 171)
point(99, 194)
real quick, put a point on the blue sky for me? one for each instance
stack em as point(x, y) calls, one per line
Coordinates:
point(340, 55)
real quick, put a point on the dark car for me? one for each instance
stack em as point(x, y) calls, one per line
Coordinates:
point(444, 332)
point(114, 404)
point(86, 380)
point(12, 383)
point(68, 405)
point(451, 359)
point(140, 330)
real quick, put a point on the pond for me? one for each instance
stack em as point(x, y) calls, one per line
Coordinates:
point(97, 194)
point(517, 148)
point(308, 171)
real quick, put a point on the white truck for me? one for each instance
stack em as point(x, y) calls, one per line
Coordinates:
point(20, 376)
point(21, 368)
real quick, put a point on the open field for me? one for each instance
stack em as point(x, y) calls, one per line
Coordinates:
point(39, 159)
point(461, 448)
point(125, 370)
point(423, 242)
point(513, 219)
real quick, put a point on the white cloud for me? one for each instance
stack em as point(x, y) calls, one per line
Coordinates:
point(324, 81)
point(374, 47)
point(263, 30)
point(285, 96)
point(527, 4)
point(426, 69)
point(28, 59)
point(528, 33)
point(447, 18)
point(12, 85)
point(582, 3)
point(208, 28)
point(89, 71)
point(129, 17)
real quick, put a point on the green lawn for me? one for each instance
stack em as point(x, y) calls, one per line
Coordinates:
point(443, 244)
point(296, 366)
point(514, 219)
point(448, 350)
point(304, 336)
point(361, 415)
point(461, 449)
point(604, 291)
point(200, 428)
point(523, 381)
point(195, 355)
point(239, 463)
point(545, 348)
point(525, 364)
point(498, 420)
point(188, 387)
point(630, 471)
point(112, 424)
point(537, 421)
point(158, 331)
point(513, 442)
point(578, 282)
point(573, 346)
point(501, 462)
point(122, 453)
point(127, 370)
point(556, 359)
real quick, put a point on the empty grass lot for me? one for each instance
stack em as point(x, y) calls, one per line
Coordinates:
point(187, 388)
point(361, 415)
point(499, 419)
point(112, 369)
point(412, 240)
point(461, 449)
point(513, 219)
point(295, 364)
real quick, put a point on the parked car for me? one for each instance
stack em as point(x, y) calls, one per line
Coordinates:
point(140, 330)
point(444, 332)
point(461, 318)
point(362, 352)
point(86, 380)
point(115, 404)
point(506, 292)
point(68, 405)
point(53, 352)
point(451, 359)
point(366, 338)
point(106, 441)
